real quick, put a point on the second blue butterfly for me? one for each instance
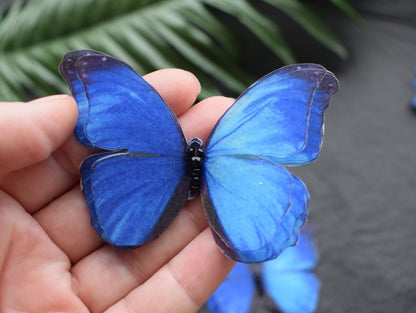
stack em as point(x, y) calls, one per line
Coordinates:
point(135, 188)
point(287, 280)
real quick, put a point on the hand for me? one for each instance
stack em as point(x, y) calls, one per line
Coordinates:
point(52, 260)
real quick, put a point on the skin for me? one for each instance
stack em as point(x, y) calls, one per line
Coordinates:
point(52, 260)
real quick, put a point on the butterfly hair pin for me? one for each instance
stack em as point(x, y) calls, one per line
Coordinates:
point(288, 281)
point(255, 207)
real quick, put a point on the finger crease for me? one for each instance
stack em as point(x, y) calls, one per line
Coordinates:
point(187, 210)
point(181, 281)
point(127, 258)
point(127, 308)
point(75, 284)
point(63, 161)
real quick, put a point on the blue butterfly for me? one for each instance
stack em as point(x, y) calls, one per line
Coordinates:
point(414, 98)
point(134, 189)
point(287, 280)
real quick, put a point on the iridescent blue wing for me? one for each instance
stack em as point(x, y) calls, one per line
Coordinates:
point(255, 207)
point(279, 117)
point(235, 294)
point(287, 279)
point(256, 210)
point(414, 98)
point(294, 292)
point(118, 109)
point(132, 198)
point(302, 257)
point(138, 185)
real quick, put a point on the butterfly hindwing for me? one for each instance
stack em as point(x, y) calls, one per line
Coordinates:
point(122, 187)
point(255, 207)
point(235, 294)
point(137, 188)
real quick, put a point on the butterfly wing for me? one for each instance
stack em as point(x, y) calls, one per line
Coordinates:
point(255, 210)
point(301, 257)
point(288, 281)
point(255, 207)
point(294, 292)
point(118, 109)
point(134, 191)
point(279, 117)
point(235, 294)
point(130, 205)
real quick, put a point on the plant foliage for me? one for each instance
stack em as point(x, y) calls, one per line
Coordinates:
point(147, 34)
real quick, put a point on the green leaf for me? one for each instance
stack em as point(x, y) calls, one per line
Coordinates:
point(348, 9)
point(311, 23)
point(147, 34)
point(262, 27)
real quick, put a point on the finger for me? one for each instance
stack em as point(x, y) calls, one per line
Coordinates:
point(102, 283)
point(108, 274)
point(67, 223)
point(177, 87)
point(36, 185)
point(183, 284)
point(31, 131)
point(36, 129)
point(204, 116)
point(66, 219)
point(34, 272)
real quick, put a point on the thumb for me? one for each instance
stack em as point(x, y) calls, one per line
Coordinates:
point(31, 131)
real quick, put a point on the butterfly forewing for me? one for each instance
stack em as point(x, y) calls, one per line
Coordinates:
point(279, 117)
point(119, 109)
point(235, 294)
point(288, 279)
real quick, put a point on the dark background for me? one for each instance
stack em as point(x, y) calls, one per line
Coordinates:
point(363, 186)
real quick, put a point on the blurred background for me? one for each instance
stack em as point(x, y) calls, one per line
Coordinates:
point(363, 186)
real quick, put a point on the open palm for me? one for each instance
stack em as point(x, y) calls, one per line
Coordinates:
point(51, 259)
